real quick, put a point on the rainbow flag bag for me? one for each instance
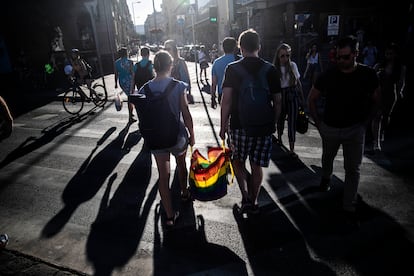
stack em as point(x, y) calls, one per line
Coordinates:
point(208, 176)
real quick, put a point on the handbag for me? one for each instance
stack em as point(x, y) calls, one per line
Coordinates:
point(118, 101)
point(208, 176)
point(302, 121)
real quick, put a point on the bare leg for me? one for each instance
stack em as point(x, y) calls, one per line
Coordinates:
point(255, 182)
point(163, 165)
point(131, 111)
point(182, 173)
point(241, 176)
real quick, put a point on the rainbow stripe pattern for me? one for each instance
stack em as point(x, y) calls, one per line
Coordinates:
point(208, 176)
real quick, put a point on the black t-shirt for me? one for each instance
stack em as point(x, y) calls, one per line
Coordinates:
point(233, 80)
point(348, 96)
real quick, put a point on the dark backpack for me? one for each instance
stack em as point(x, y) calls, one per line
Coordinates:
point(256, 113)
point(143, 74)
point(157, 123)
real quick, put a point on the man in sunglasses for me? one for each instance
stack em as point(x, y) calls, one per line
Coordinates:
point(351, 91)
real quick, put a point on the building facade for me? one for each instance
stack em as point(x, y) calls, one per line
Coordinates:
point(43, 32)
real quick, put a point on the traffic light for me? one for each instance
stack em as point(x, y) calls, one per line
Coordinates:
point(213, 14)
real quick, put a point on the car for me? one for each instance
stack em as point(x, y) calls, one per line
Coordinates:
point(189, 51)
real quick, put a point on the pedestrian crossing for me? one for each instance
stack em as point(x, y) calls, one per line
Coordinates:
point(51, 151)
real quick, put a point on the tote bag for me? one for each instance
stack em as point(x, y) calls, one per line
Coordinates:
point(209, 176)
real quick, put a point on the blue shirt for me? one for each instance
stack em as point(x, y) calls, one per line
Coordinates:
point(143, 62)
point(219, 66)
point(124, 67)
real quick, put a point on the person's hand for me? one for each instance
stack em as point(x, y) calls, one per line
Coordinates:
point(191, 140)
point(223, 133)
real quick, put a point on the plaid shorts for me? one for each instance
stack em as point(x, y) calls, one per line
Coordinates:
point(258, 149)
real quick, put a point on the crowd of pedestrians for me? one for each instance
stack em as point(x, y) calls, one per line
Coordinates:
point(345, 85)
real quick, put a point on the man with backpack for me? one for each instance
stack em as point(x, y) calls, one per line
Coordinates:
point(251, 103)
point(143, 69)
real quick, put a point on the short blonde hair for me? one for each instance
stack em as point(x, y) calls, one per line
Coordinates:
point(162, 61)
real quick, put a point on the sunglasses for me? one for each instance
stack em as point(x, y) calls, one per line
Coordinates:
point(344, 57)
point(283, 56)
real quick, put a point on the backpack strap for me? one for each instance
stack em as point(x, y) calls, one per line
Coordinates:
point(170, 87)
point(239, 68)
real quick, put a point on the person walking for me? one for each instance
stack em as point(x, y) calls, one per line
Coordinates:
point(143, 70)
point(370, 54)
point(257, 144)
point(163, 63)
point(352, 93)
point(218, 68)
point(124, 73)
point(292, 94)
point(391, 72)
point(179, 70)
point(203, 61)
point(313, 64)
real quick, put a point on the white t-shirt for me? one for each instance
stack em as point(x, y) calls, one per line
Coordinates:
point(285, 78)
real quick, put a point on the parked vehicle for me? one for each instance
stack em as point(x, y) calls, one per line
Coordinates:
point(188, 52)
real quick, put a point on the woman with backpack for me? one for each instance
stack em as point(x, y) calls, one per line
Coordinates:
point(292, 94)
point(177, 106)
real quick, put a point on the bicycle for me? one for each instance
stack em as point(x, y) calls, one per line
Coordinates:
point(75, 97)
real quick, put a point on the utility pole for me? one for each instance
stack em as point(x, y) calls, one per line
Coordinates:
point(155, 23)
point(191, 11)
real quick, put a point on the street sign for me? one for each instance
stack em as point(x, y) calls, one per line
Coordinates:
point(333, 25)
point(180, 19)
point(191, 10)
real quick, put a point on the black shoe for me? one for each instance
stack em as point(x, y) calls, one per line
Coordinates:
point(325, 185)
point(350, 220)
point(245, 206)
point(254, 209)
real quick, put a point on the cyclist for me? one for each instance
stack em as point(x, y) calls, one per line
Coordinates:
point(81, 69)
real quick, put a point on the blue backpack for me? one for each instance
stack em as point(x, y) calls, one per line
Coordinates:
point(256, 113)
point(157, 123)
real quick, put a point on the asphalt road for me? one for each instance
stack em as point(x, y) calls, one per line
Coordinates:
point(81, 193)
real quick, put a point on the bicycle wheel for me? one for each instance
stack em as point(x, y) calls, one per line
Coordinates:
point(73, 101)
point(99, 95)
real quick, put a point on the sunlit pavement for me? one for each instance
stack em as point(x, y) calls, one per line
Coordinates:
point(80, 193)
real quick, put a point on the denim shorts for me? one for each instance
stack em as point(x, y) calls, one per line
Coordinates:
point(178, 149)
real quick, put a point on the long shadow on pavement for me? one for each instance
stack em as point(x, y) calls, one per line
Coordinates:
point(305, 233)
point(185, 250)
point(120, 223)
point(48, 135)
point(89, 179)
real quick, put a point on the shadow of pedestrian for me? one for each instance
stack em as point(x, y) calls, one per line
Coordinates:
point(120, 223)
point(48, 135)
point(185, 250)
point(304, 232)
point(274, 246)
point(89, 179)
